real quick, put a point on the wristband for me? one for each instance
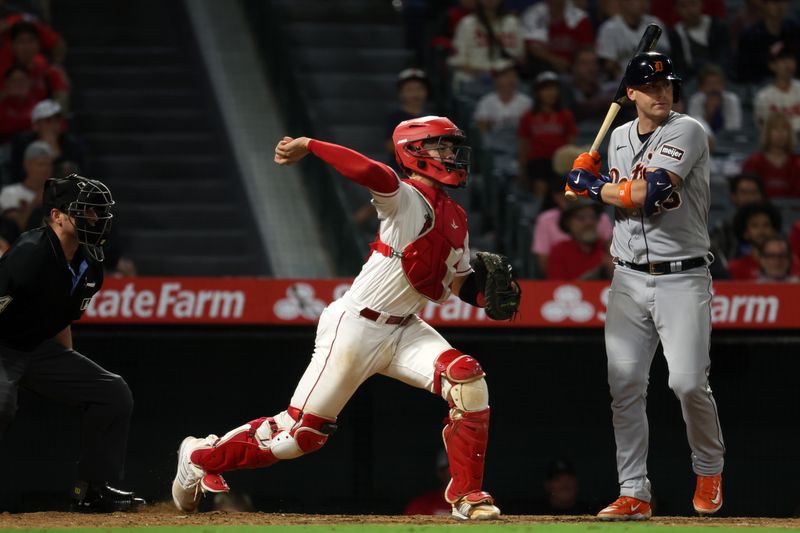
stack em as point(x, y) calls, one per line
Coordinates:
point(625, 194)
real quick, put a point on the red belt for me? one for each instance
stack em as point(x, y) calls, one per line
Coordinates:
point(392, 320)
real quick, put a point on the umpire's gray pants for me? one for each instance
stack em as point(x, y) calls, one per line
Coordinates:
point(673, 308)
point(66, 376)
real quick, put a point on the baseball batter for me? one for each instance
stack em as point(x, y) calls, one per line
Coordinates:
point(421, 253)
point(661, 290)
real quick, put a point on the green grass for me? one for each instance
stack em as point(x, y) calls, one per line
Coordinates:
point(409, 528)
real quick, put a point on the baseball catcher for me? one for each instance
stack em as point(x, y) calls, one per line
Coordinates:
point(421, 253)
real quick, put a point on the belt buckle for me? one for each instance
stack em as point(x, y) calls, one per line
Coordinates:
point(652, 268)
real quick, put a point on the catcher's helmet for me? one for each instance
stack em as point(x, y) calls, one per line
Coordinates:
point(88, 202)
point(648, 67)
point(408, 138)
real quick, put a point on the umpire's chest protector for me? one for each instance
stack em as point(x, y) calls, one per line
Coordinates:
point(429, 260)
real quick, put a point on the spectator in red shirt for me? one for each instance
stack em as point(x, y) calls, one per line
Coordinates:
point(776, 261)
point(542, 131)
point(51, 41)
point(47, 81)
point(554, 30)
point(776, 162)
point(584, 255)
point(754, 224)
point(433, 502)
point(16, 104)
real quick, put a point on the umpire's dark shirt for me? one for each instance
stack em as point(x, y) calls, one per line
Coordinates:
point(40, 293)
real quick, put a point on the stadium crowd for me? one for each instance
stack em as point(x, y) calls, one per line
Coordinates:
point(532, 80)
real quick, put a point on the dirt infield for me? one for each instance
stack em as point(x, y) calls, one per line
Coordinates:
point(164, 515)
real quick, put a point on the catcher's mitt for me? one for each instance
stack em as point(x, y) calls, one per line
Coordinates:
point(500, 290)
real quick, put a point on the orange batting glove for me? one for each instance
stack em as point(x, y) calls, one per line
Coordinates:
point(589, 162)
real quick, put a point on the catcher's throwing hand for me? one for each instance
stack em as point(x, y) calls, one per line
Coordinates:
point(290, 151)
point(501, 292)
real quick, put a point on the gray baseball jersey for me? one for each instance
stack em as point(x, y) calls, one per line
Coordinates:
point(672, 309)
point(679, 228)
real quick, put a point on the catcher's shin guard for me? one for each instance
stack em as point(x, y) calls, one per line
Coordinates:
point(459, 379)
point(465, 438)
point(243, 447)
point(261, 442)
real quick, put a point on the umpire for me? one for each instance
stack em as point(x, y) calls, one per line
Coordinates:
point(47, 279)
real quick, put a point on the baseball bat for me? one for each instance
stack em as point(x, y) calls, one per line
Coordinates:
point(646, 43)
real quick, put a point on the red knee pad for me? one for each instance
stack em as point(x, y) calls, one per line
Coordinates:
point(456, 368)
point(235, 451)
point(312, 432)
point(465, 439)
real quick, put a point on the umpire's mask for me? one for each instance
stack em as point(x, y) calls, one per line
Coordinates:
point(89, 203)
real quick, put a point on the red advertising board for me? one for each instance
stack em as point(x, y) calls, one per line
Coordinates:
point(262, 301)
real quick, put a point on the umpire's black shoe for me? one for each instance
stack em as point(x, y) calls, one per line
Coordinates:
point(104, 499)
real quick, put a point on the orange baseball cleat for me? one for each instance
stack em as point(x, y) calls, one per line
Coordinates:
point(708, 494)
point(626, 508)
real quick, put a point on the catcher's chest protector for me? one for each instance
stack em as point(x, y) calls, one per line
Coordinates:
point(427, 259)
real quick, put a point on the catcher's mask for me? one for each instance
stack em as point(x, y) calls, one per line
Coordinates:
point(413, 138)
point(89, 203)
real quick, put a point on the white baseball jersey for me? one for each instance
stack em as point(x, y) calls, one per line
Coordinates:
point(679, 227)
point(381, 285)
point(770, 100)
point(616, 41)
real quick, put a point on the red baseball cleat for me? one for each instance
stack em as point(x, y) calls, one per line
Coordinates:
point(708, 494)
point(626, 508)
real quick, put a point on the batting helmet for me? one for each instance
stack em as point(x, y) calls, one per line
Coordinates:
point(648, 67)
point(88, 202)
point(408, 138)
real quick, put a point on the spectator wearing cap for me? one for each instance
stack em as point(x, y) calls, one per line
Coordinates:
point(756, 42)
point(553, 31)
point(719, 108)
point(18, 200)
point(776, 162)
point(433, 502)
point(16, 103)
point(584, 255)
point(783, 94)
point(47, 124)
point(47, 81)
point(547, 232)
point(543, 130)
point(412, 95)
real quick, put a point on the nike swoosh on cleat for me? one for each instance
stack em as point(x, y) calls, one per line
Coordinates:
point(716, 500)
point(634, 507)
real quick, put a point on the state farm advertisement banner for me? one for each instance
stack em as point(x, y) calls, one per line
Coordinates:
point(260, 301)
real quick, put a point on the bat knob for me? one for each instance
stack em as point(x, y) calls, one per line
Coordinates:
point(571, 196)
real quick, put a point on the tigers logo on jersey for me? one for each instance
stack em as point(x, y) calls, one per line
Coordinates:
point(4, 301)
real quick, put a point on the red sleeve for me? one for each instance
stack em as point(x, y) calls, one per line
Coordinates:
point(584, 32)
point(352, 165)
